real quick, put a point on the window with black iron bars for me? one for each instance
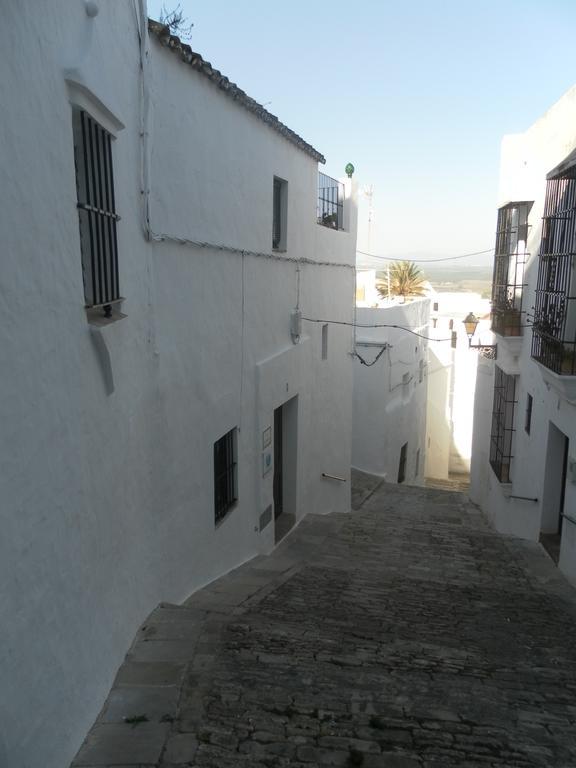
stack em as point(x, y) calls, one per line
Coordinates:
point(330, 207)
point(554, 326)
point(225, 475)
point(277, 217)
point(97, 212)
point(509, 262)
point(502, 424)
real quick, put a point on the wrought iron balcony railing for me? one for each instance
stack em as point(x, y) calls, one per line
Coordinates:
point(554, 325)
point(509, 261)
point(330, 208)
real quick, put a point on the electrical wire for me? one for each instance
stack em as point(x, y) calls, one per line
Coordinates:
point(378, 356)
point(425, 261)
point(375, 325)
point(402, 383)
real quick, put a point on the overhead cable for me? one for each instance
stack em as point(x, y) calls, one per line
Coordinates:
point(375, 325)
point(425, 261)
point(378, 356)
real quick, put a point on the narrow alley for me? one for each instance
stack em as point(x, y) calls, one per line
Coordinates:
point(407, 634)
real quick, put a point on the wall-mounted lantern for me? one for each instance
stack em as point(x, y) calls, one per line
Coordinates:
point(487, 350)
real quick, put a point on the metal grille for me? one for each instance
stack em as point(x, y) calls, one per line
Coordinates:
point(277, 214)
point(509, 260)
point(502, 424)
point(97, 212)
point(225, 487)
point(330, 202)
point(528, 415)
point(554, 329)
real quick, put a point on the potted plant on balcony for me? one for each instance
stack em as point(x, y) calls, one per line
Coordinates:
point(507, 319)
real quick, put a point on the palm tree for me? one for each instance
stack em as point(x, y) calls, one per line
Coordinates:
point(406, 279)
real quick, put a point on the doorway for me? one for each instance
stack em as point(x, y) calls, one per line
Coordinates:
point(285, 464)
point(554, 492)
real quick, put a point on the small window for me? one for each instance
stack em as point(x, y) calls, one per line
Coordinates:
point(528, 419)
point(402, 464)
point(330, 207)
point(435, 307)
point(97, 212)
point(502, 425)
point(225, 474)
point(417, 468)
point(325, 341)
point(279, 214)
point(454, 339)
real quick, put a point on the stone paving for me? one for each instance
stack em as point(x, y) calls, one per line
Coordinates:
point(405, 635)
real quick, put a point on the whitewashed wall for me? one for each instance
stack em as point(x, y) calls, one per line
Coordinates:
point(526, 159)
point(451, 382)
point(107, 499)
point(387, 412)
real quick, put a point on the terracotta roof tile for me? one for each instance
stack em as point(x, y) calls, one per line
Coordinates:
point(195, 60)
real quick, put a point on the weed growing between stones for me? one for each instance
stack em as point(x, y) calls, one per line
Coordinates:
point(136, 720)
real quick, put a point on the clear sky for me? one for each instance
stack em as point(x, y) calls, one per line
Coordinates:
point(416, 94)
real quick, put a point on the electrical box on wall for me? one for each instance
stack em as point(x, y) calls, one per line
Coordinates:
point(296, 325)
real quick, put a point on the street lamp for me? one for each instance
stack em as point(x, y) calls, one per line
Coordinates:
point(487, 350)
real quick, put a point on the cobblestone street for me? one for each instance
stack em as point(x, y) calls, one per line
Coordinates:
point(405, 635)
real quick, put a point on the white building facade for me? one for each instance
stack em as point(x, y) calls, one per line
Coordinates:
point(524, 449)
point(163, 402)
point(390, 386)
point(451, 382)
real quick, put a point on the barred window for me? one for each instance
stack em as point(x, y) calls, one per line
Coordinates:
point(330, 207)
point(502, 425)
point(509, 261)
point(554, 326)
point(225, 474)
point(402, 463)
point(96, 211)
point(528, 415)
point(279, 214)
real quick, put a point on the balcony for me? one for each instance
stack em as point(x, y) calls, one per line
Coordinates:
point(330, 207)
point(554, 327)
point(507, 322)
point(509, 261)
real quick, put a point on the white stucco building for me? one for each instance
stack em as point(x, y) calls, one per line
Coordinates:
point(367, 294)
point(451, 382)
point(389, 416)
point(161, 400)
point(524, 450)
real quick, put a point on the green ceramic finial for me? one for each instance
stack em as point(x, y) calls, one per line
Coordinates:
point(349, 170)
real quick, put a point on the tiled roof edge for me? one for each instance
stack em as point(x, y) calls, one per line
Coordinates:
point(162, 32)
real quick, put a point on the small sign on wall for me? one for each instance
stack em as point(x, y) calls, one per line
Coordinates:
point(266, 437)
point(266, 462)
